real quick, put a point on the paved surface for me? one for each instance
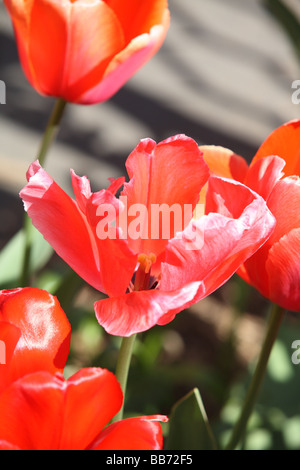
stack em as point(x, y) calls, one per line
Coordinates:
point(223, 76)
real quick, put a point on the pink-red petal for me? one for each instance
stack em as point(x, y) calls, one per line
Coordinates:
point(169, 174)
point(264, 174)
point(62, 224)
point(138, 311)
point(273, 269)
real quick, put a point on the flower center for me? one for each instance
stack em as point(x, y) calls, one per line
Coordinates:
point(142, 275)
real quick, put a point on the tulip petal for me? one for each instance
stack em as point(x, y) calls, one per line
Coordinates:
point(9, 337)
point(139, 311)
point(224, 162)
point(138, 17)
point(126, 63)
point(284, 142)
point(4, 445)
point(93, 397)
point(263, 175)
point(284, 203)
point(142, 433)
point(47, 44)
point(274, 269)
point(89, 50)
point(19, 11)
point(228, 238)
point(155, 178)
point(41, 411)
point(38, 335)
point(62, 224)
point(283, 268)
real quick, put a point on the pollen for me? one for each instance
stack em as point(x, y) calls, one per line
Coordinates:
point(142, 276)
point(146, 261)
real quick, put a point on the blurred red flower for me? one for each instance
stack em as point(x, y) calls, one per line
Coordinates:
point(42, 411)
point(84, 51)
point(35, 332)
point(274, 173)
point(150, 277)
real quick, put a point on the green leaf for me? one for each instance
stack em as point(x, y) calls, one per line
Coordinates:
point(189, 428)
point(67, 289)
point(287, 19)
point(12, 256)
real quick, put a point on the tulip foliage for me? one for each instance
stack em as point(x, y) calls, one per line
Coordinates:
point(144, 250)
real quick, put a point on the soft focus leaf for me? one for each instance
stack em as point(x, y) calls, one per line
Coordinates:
point(189, 428)
point(12, 255)
point(288, 20)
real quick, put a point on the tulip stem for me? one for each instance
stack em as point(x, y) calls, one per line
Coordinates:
point(122, 368)
point(51, 129)
point(259, 373)
point(48, 137)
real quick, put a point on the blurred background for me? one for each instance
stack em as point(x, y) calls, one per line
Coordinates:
point(223, 76)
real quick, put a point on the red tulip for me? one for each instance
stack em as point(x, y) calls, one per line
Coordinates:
point(84, 51)
point(35, 332)
point(42, 411)
point(274, 173)
point(150, 273)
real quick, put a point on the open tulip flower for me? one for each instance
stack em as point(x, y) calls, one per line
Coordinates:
point(84, 51)
point(35, 332)
point(274, 173)
point(42, 411)
point(121, 246)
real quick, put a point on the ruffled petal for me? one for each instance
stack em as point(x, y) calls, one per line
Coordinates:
point(138, 311)
point(167, 176)
point(214, 246)
point(264, 174)
point(62, 224)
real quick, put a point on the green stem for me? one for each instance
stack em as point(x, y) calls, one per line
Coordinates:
point(270, 337)
point(51, 129)
point(48, 137)
point(122, 368)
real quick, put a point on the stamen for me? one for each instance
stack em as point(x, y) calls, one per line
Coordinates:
point(142, 275)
